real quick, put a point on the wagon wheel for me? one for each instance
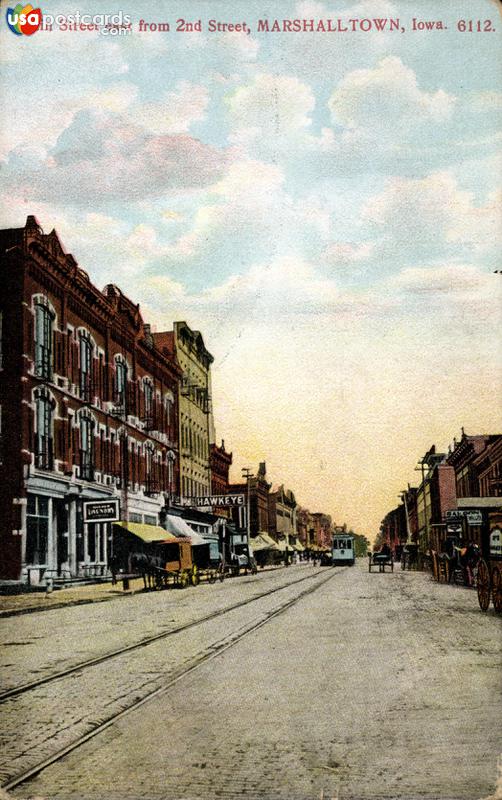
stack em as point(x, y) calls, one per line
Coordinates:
point(483, 585)
point(497, 589)
point(183, 579)
point(195, 576)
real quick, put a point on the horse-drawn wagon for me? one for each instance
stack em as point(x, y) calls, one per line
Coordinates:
point(159, 557)
point(489, 575)
point(381, 559)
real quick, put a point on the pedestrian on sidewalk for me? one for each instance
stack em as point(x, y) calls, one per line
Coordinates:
point(113, 564)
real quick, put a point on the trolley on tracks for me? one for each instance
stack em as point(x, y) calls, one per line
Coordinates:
point(342, 551)
point(489, 576)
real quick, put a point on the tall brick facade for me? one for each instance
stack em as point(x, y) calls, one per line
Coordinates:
point(89, 411)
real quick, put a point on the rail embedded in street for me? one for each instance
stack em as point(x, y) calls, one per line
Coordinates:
point(215, 650)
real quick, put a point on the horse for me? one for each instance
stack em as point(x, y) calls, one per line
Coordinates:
point(140, 562)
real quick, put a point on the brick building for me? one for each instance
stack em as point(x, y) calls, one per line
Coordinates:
point(323, 529)
point(477, 464)
point(435, 495)
point(394, 529)
point(259, 489)
point(88, 411)
point(220, 462)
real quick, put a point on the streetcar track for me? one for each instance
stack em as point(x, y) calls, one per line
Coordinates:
point(216, 651)
point(26, 687)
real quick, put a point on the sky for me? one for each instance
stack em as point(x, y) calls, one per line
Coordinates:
point(323, 207)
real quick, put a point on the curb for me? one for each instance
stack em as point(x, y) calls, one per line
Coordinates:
point(16, 612)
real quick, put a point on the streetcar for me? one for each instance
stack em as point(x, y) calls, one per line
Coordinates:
point(342, 550)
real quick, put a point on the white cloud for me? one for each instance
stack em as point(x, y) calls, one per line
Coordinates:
point(387, 99)
point(175, 113)
point(102, 156)
point(344, 253)
point(443, 279)
point(433, 214)
point(271, 115)
point(248, 216)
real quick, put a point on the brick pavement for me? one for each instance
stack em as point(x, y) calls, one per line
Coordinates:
point(377, 686)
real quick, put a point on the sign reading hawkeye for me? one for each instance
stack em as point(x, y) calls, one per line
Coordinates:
point(214, 500)
point(102, 510)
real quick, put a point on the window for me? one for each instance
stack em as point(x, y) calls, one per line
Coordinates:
point(148, 393)
point(151, 485)
point(85, 368)
point(37, 529)
point(43, 341)
point(168, 404)
point(121, 384)
point(87, 448)
point(44, 419)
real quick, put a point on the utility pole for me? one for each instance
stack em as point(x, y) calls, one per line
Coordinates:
point(421, 467)
point(246, 473)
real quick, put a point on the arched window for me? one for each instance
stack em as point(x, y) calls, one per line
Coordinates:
point(87, 447)
point(44, 427)
point(85, 368)
point(44, 320)
point(121, 384)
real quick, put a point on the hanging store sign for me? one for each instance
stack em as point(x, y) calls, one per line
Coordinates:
point(102, 510)
point(473, 517)
point(215, 501)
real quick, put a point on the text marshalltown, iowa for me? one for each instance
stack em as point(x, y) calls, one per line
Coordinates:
point(329, 25)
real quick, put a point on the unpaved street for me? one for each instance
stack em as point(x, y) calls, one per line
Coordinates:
point(371, 686)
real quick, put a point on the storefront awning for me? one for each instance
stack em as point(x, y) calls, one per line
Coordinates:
point(147, 533)
point(298, 547)
point(263, 542)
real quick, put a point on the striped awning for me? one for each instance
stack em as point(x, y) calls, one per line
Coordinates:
point(178, 527)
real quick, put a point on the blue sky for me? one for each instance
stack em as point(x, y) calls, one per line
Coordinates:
point(324, 207)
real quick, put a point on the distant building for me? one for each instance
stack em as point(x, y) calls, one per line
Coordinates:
point(89, 411)
point(323, 529)
point(282, 516)
point(305, 527)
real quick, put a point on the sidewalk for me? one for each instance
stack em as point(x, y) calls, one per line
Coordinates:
point(11, 605)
